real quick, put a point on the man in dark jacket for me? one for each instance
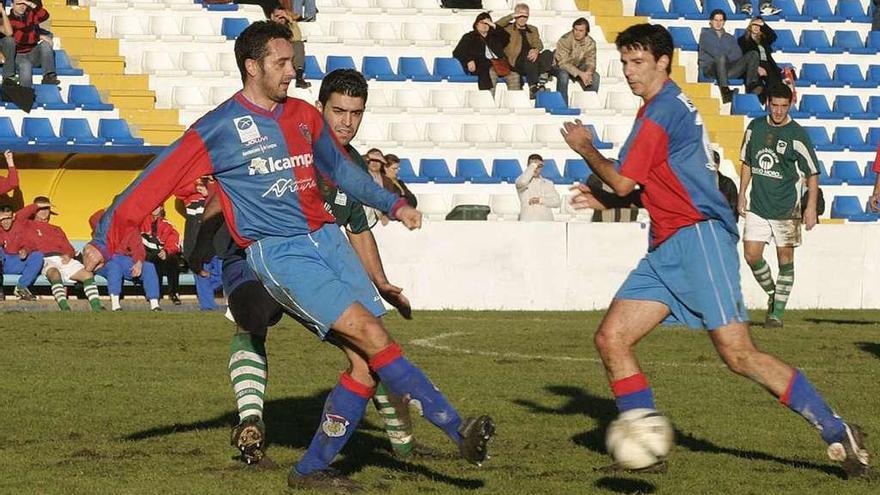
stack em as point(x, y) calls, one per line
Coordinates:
point(478, 48)
point(721, 58)
point(758, 38)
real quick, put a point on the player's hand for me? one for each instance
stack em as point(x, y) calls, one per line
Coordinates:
point(393, 295)
point(162, 254)
point(472, 66)
point(586, 77)
point(584, 199)
point(532, 55)
point(410, 217)
point(874, 203)
point(22, 254)
point(810, 217)
point(9, 161)
point(742, 206)
point(93, 260)
point(576, 135)
point(204, 273)
point(136, 269)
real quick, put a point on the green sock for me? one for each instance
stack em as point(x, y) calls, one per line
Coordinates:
point(60, 296)
point(761, 271)
point(784, 282)
point(249, 371)
point(91, 290)
point(398, 427)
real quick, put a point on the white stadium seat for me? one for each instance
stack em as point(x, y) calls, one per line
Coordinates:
point(361, 6)
point(190, 98)
point(590, 102)
point(434, 206)
point(504, 207)
point(519, 102)
point(449, 101)
point(515, 136)
point(386, 33)
point(200, 64)
point(429, 7)
point(161, 64)
point(549, 135)
point(445, 135)
point(219, 94)
point(167, 28)
point(470, 199)
point(379, 102)
point(330, 7)
point(622, 102)
point(315, 32)
point(227, 63)
point(202, 29)
point(451, 33)
point(616, 134)
point(130, 28)
point(350, 33)
point(422, 34)
point(397, 7)
point(482, 101)
point(373, 134)
point(408, 135)
point(412, 100)
point(480, 136)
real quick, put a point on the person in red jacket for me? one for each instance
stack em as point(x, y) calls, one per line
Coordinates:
point(59, 266)
point(162, 243)
point(9, 182)
point(15, 259)
point(31, 48)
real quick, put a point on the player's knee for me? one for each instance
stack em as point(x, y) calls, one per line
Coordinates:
point(738, 360)
point(606, 340)
point(375, 335)
point(752, 259)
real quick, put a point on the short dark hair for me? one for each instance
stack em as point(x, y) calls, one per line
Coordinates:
point(348, 82)
point(780, 91)
point(482, 16)
point(652, 38)
point(374, 150)
point(253, 43)
point(716, 12)
point(581, 21)
point(534, 156)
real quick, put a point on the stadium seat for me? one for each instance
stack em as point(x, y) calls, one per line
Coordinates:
point(851, 107)
point(449, 101)
point(361, 6)
point(434, 206)
point(851, 42)
point(130, 28)
point(519, 102)
point(820, 139)
point(687, 9)
point(873, 137)
point(78, 131)
point(7, 132)
point(549, 136)
point(848, 171)
point(63, 66)
point(820, 11)
point(408, 135)
point(483, 102)
point(515, 136)
point(551, 172)
point(851, 138)
point(161, 63)
point(873, 106)
point(350, 33)
point(683, 38)
point(231, 27)
point(851, 10)
point(747, 104)
point(622, 102)
point(190, 98)
point(849, 208)
point(504, 206)
point(444, 135)
point(379, 68)
point(421, 34)
point(451, 33)
point(219, 94)
point(817, 41)
point(506, 169)
point(478, 135)
point(200, 64)
point(870, 176)
point(598, 143)
point(851, 75)
point(785, 42)
point(816, 106)
point(577, 170)
point(554, 104)
point(168, 28)
point(202, 29)
point(710, 5)
point(817, 75)
point(226, 62)
point(221, 7)
point(451, 70)
point(386, 33)
point(873, 73)
point(654, 9)
point(339, 62)
point(407, 174)
point(436, 170)
point(474, 171)
point(873, 40)
point(790, 11)
point(312, 70)
point(415, 69)
point(616, 134)
point(412, 100)
point(825, 179)
point(48, 96)
point(39, 130)
point(117, 132)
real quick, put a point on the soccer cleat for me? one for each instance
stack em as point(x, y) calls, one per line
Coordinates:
point(773, 321)
point(329, 480)
point(249, 437)
point(24, 294)
point(157, 308)
point(475, 435)
point(852, 452)
point(175, 299)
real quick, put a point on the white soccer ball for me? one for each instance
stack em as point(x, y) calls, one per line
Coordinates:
point(639, 438)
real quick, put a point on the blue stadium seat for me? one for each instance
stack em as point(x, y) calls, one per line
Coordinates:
point(436, 170)
point(851, 107)
point(869, 175)
point(551, 172)
point(597, 141)
point(451, 70)
point(748, 105)
point(86, 96)
point(63, 66)
point(817, 41)
point(873, 106)
point(407, 174)
point(683, 38)
point(724, 5)
point(851, 10)
point(851, 138)
point(577, 170)
point(817, 106)
point(473, 170)
point(851, 42)
point(851, 75)
point(873, 73)
point(873, 40)
point(552, 102)
point(379, 68)
point(48, 96)
point(506, 169)
point(117, 132)
point(415, 69)
point(848, 171)
point(7, 132)
point(231, 27)
point(654, 9)
point(312, 69)
point(79, 131)
point(825, 179)
point(785, 42)
point(39, 130)
point(821, 11)
point(687, 9)
point(339, 62)
point(222, 7)
point(790, 11)
point(873, 137)
point(817, 74)
point(820, 139)
point(850, 208)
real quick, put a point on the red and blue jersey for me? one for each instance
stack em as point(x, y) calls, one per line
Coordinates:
point(265, 164)
point(667, 154)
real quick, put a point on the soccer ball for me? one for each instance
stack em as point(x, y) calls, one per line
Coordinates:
point(639, 438)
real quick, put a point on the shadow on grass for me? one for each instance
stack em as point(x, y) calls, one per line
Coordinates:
point(872, 347)
point(604, 411)
point(625, 485)
point(835, 321)
point(291, 422)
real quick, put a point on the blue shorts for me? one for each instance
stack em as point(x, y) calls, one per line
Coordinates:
point(316, 276)
point(695, 273)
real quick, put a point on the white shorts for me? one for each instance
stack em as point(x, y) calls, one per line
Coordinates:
point(67, 270)
point(783, 233)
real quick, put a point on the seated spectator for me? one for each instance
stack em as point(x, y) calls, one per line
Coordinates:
point(481, 52)
point(767, 8)
point(393, 183)
point(32, 49)
point(575, 58)
point(721, 58)
point(287, 18)
point(14, 259)
point(375, 161)
point(7, 46)
point(536, 194)
point(162, 244)
point(128, 263)
point(525, 50)
point(758, 38)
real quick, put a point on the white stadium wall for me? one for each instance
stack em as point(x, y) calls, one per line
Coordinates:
point(578, 266)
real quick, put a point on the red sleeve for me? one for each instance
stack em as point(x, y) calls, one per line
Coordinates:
point(27, 212)
point(876, 167)
point(10, 182)
point(169, 237)
point(648, 146)
point(39, 15)
point(170, 173)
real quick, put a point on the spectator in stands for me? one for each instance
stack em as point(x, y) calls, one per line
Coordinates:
point(767, 8)
point(7, 46)
point(9, 182)
point(525, 50)
point(721, 58)
point(481, 52)
point(375, 164)
point(307, 10)
point(32, 49)
point(162, 244)
point(287, 18)
point(16, 260)
point(393, 183)
point(575, 58)
point(758, 38)
point(536, 194)
point(875, 20)
point(194, 207)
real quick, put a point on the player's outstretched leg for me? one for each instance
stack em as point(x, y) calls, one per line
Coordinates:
point(395, 414)
point(249, 371)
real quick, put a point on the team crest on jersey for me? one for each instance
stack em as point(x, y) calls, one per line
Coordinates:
point(258, 166)
point(781, 147)
point(334, 425)
point(247, 128)
point(306, 133)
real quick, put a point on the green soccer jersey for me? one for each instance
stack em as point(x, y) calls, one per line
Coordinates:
point(779, 158)
point(348, 212)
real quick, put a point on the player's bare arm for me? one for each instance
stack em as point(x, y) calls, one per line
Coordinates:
point(745, 178)
point(580, 139)
point(875, 196)
point(811, 216)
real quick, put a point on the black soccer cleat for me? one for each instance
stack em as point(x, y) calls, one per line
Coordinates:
point(475, 435)
point(325, 480)
point(773, 322)
point(249, 437)
point(852, 452)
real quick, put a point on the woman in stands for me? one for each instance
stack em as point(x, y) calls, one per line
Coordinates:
point(758, 37)
point(481, 52)
point(394, 184)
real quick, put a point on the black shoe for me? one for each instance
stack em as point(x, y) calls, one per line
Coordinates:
point(727, 94)
point(175, 298)
point(533, 90)
point(329, 480)
point(475, 435)
point(50, 78)
point(249, 437)
point(746, 9)
point(157, 308)
point(852, 452)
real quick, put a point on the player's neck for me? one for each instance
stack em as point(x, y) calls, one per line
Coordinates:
point(258, 99)
point(781, 124)
point(654, 90)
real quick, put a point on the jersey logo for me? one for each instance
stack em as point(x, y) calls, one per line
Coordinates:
point(282, 186)
point(247, 128)
point(263, 166)
point(306, 133)
point(334, 425)
point(781, 146)
point(258, 166)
